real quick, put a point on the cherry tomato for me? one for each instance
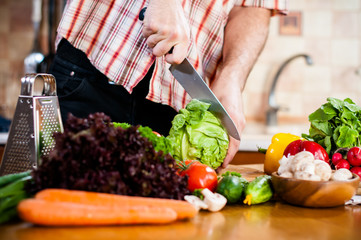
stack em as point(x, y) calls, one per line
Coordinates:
point(303, 145)
point(354, 156)
point(200, 176)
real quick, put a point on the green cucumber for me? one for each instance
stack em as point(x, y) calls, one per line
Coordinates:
point(259, 190)
point(6, 179)
point(14, 187)
point(232, 187)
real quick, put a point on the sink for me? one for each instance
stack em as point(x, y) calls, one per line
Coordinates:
point(257, 135)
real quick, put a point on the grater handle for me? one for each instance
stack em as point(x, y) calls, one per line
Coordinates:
point(28, 82)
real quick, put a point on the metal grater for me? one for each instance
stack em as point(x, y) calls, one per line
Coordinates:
point(36, 118)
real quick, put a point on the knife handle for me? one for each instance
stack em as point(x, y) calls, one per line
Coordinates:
point(142, 13)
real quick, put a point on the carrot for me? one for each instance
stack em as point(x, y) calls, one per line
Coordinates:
point(42, 212)
point(182, 208)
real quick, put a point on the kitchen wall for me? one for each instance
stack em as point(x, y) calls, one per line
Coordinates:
point(16, 42)
point(330, 34)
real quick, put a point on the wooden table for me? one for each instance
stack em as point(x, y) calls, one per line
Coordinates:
point(272, 220)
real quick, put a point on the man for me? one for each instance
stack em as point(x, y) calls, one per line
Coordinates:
point(110, 61)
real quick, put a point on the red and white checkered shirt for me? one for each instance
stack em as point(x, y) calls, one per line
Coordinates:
point(110, 34)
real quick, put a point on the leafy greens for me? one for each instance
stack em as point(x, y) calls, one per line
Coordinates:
point(197, 134)
point(336, 124)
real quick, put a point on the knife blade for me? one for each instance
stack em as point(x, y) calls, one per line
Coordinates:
point(194, 85)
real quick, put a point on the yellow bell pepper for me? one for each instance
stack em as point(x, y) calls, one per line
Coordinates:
point(275, 151)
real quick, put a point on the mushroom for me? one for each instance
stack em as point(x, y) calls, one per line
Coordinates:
point(307, 176)
point(285, 165)
point(341, 174)
point(196, 202)
point(301, 162)
point(323, 169)
point(214, 201)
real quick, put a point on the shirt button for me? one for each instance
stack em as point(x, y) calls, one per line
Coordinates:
point(72, 73)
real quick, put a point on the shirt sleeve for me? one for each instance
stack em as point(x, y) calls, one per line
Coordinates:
point(278, 7)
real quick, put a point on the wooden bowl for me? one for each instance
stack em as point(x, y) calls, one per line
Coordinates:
point(314, 193)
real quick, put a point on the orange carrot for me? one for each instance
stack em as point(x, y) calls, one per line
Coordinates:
point(42, 212)
point(182, 208)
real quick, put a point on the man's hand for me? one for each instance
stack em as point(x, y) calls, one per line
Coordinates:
point(166, 27)
point(245, 35)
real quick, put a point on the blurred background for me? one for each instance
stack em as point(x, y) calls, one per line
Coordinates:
point(327, 33)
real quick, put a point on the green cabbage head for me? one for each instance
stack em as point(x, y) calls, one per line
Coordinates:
point(197, 134)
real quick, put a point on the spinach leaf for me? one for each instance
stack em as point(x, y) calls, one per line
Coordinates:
point(336, 124)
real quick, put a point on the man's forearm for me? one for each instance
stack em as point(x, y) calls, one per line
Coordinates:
point(245, 35)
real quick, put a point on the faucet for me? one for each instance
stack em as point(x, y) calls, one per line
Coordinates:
point(273, 107)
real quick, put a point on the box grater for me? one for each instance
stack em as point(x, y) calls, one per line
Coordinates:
point(36, 118)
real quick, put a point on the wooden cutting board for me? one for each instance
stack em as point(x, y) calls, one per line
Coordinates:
point(248, 171)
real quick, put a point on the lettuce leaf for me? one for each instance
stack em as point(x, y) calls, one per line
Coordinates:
point(197, 134)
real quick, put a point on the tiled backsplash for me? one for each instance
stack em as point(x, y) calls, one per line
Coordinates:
point(331, 35)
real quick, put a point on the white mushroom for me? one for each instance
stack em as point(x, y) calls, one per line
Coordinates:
point(214, 201)
point(323, 169)
point(286, 174)
point(341, 174)
point(307, 176)
point(196, 202)
point(301, 161)
point(285, 165)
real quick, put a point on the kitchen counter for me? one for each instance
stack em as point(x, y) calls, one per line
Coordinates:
point(271, 220)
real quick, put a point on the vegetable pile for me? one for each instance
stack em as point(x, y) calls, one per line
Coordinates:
point(93, 155)
point(197, 134)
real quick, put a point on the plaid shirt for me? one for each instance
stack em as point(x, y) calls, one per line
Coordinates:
point(110, 34)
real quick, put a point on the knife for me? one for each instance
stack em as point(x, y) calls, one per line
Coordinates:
point(194, 85)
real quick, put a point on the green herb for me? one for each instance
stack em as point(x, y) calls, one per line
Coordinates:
point(197, 134)
point(336, 124)
point(160, 143)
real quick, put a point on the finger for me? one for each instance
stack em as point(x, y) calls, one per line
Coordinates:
point(178, 54)
point(162, 47)
point(153, 40)
point(232, 150)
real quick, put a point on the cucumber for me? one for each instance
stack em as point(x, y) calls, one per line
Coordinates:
point(259, 190)
point(232, 187)
point(6, 179)
point(14, 187)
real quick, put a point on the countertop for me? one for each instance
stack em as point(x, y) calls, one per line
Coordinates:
point(271, 220)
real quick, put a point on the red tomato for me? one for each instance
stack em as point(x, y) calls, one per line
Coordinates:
point(302, 145)
point(200, 176)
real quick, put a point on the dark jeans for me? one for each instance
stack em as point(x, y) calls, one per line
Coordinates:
point(82, 90)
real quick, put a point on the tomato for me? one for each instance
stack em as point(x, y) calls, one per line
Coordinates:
point(200, 176)
point(303, 145)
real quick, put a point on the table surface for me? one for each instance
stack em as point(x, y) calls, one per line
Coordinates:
point(271, 220)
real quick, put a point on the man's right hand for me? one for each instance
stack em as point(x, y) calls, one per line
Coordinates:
point(166, 27)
